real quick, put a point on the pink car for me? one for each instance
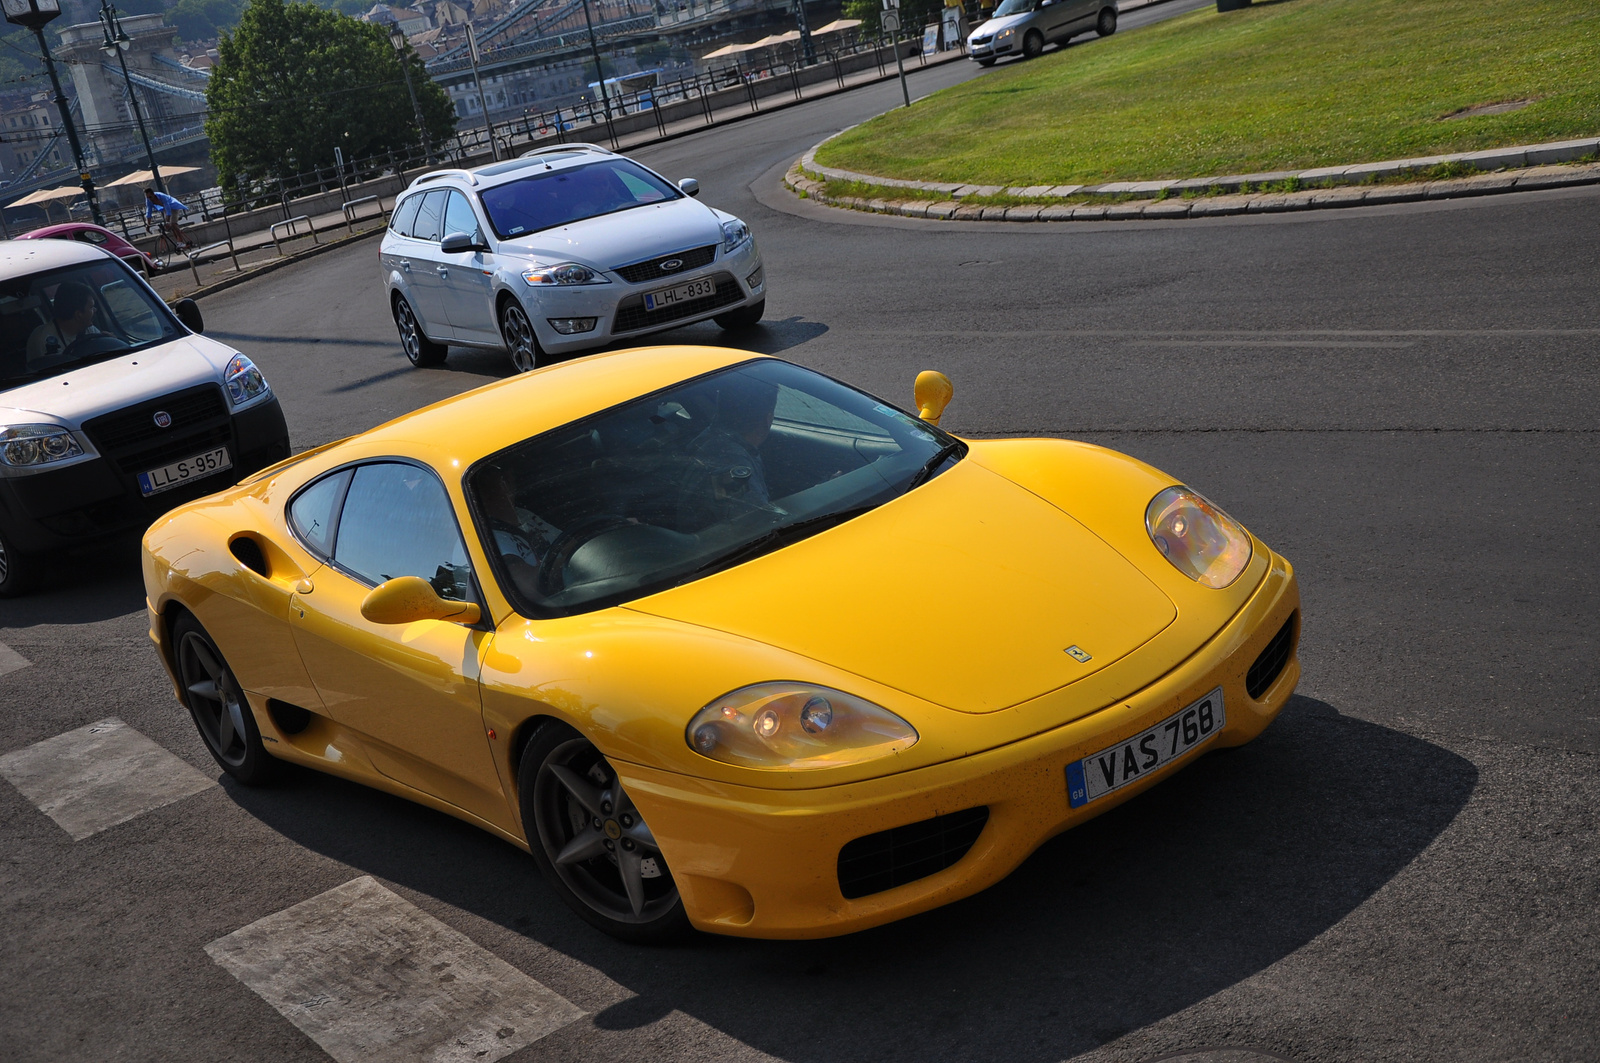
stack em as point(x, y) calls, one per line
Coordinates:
point(100, 237)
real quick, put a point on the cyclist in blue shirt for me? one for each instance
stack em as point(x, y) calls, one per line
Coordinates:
point(168, 208)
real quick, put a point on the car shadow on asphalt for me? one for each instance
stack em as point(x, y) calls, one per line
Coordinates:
point(1211, 877)
point(80, 587)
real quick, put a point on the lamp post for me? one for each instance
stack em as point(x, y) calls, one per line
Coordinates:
point(599, 74)
point(116, 43)
point(398, 39)
point(34, 15)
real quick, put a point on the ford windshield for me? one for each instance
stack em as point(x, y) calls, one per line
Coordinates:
point(550, 198)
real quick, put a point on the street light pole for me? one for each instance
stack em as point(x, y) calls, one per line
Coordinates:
point(483, 101)
point(116, 43)
point(599, 74)
point(398, 39)
point(35, 15)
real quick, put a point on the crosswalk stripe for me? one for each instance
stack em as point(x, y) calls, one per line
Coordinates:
point(98, 776)
point(11, 660)
point(372, 978)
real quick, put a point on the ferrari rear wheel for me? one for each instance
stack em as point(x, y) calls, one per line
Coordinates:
point(218, 706)
point(591, 842)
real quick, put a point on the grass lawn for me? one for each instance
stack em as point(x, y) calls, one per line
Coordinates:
point(1287, 84)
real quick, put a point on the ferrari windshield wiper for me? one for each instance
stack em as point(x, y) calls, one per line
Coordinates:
point(771, 540)
point(929, 467)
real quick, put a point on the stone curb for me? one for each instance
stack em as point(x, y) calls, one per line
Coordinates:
point(1515, 158)
point(1323, 197)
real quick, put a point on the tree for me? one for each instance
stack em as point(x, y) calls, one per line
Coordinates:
point(914, 14)
point(295, 80)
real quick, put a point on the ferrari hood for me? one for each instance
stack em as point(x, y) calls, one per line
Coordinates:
point(969, 592)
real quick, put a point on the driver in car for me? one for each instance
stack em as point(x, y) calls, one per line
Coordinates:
point(726, 477)
point(72, 312)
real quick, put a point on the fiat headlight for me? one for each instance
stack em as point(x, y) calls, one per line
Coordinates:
point(27, 445)
point(243, 380)
point(1199, 539)
point(796, 725)
point(735, 234)
point(565, 273)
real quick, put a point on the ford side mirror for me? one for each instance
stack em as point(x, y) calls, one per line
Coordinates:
point(457, 243)
point(933, 391)
point(406, 599)
point(188, 312)
point(689, 186)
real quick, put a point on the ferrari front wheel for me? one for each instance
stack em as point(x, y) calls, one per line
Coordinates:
point(591, 842)
point(217, 704)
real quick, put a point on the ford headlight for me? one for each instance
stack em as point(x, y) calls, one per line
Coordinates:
point(1199, 539)
point(796, 725)
point(735, 234)
point(243, 380)
point(564, 273)
point(26, 445)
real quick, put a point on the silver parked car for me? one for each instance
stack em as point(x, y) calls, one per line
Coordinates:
point(569, 247)
point(1024, 27)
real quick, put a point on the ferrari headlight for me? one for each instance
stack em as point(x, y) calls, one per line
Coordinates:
point(565, 273)
point(27, 445)
point(796, 725)
point(735, 234)
point(1199, 539)
point(243, 380)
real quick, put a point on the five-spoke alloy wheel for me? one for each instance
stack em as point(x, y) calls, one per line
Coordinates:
point(517, 331)
point(218, 706)
point(592, 843)
point(420, 350)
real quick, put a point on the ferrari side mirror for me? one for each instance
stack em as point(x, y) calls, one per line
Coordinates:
point(406, 599)
point(933, 391)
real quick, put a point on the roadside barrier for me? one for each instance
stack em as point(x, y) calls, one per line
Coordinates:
point(349, 208)
point(289, 224)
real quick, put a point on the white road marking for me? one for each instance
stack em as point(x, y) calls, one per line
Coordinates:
point(98, 776)
point(374, 979)
point(11, 660)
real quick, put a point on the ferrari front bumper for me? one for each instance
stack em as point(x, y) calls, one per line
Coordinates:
point(765, 863)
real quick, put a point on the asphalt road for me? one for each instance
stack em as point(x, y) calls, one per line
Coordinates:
point(1403, 867)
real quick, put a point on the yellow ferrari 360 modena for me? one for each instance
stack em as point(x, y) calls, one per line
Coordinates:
point(721, 641)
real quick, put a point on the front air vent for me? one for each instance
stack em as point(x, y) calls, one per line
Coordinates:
point(891, 858)
point(639, 272)
point(289, 719)
point(1270, 664)
point(631, 314)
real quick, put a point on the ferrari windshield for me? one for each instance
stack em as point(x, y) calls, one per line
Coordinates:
point(550, 198)
point(67, 318)
point(691, 480)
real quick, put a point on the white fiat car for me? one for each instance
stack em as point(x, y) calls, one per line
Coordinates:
point(113, 407)
point(569, 247)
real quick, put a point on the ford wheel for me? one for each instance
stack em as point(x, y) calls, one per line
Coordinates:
point(517, 331)
point(420, 350)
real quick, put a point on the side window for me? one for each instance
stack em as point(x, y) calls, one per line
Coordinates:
point(426, 227)
point(458, 217)
point(404, 215)
point(312, 511)
point(397, 521)
point(92, 237)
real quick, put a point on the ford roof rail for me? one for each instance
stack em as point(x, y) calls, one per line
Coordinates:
point(565, 147)
point(437, 174)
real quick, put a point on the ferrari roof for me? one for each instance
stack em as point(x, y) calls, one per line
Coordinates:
point(487, 419)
